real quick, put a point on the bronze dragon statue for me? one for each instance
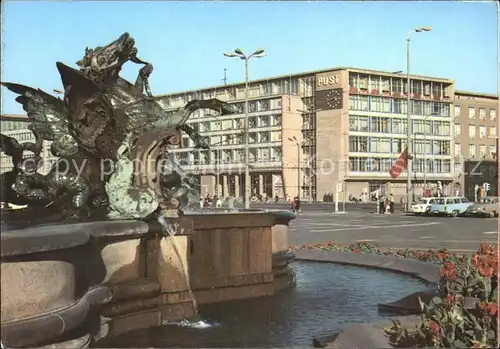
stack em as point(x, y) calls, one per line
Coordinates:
point(111, 138)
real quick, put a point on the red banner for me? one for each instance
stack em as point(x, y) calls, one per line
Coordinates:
point(400, 165)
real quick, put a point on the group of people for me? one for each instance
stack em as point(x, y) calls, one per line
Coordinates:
point(386, 204)
point(328, 197)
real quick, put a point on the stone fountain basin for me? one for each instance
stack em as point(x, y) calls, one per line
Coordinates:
point(62, 282)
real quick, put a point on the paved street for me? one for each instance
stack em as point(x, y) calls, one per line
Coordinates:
point(397, 231)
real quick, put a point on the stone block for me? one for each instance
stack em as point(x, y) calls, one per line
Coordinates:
point(123, 260)
point(35, 287)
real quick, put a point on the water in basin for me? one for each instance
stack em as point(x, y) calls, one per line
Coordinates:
point(328, 298)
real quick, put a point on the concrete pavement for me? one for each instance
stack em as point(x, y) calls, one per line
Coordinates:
point(395, 231)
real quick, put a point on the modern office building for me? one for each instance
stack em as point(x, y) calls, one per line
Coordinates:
point(475, 130)
point(316, 131)
point(16, 126)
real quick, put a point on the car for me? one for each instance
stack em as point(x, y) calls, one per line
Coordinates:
point(450, 206)
point(420, 207)
point(486, 207)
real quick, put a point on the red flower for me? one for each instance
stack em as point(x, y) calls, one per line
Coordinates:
point(330, 243)
point(448, 271)
point(356, 250)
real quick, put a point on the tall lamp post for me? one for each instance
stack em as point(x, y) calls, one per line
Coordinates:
point(409, 129)
point(295, 141)
point(239, 54)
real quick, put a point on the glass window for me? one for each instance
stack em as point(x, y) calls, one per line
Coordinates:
point(457, 130)
point(493, 131)
point(472, 112)
point(472, 131)
point(472, 150)
point(482, 114)
point(458, 149)
point(482, 150)
point(493, 114)
point(457, 111)
point(482, 131)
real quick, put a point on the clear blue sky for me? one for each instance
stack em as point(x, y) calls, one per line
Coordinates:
point(185, 40)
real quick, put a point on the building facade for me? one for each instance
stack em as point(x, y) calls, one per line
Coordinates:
point(314, 132)
point(475, 131)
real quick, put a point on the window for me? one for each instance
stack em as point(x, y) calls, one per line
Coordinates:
point(358, 123)
point(458, 149)
point(457, 130)
point(482, 114)
point(457, 111)
point(482, 151)
point(358, 144)
point(472, 150)
point(472, 131)
point(493, 150)
point(482, 131)
point(493, 114)
point(493, 131)
point(380, 145)
point(396, 85)
point(358, 102)
point(379, 124)
point(472, 112)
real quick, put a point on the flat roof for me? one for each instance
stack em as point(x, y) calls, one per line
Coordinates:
point(476, 94)
point(13, 116)
point(314, 72)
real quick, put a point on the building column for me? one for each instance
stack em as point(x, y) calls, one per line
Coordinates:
point(261, 184)
point(225, 189)
point(237, 186)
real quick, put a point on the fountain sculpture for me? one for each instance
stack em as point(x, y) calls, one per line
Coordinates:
point(89, 257)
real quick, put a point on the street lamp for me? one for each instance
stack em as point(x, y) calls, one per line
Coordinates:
point(239, 54)
point(409, 128)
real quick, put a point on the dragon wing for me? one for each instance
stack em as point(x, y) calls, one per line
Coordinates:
point(48, 117)
point(46, 112)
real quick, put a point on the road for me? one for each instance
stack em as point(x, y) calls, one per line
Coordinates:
point(325, 207)
point(461, 235)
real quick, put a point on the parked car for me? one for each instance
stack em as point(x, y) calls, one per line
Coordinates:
point(450, 206)
point(486, 207)
point(420, 207)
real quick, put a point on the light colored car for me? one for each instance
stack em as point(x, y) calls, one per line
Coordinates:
point(450, 206)
point(421, 206)
point(486, 207)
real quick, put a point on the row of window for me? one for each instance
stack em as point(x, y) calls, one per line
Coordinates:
point(362, 144)
point(492, 113)
point(368, 164)
point(484, 131)
point(472, 151)
point(295, 86)
point(379, 124)
point(398, 106)
point(11, 125)
point(255, 121)
point(396, 84)
point(230, 156)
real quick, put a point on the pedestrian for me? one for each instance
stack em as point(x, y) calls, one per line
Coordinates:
point(391, 203)
point(297, 205)
point(292, 203)
point(218, 203)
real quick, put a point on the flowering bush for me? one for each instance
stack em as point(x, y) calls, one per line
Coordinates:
point(445, 320)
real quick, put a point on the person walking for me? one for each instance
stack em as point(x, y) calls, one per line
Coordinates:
point(297, 205)
point(391, 203)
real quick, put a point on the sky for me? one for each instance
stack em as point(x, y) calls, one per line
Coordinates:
point(185, 41)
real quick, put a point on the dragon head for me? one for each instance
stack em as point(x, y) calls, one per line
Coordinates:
point(109, 57)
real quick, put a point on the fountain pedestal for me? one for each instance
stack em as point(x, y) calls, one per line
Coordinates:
point(126, 276)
